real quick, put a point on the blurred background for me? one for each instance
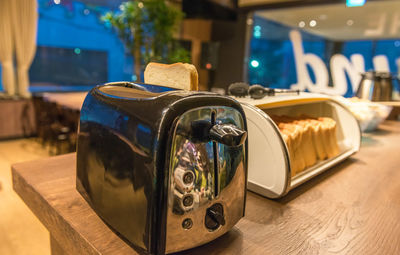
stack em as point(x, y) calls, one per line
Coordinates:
point(53, 51)
point(77, 46)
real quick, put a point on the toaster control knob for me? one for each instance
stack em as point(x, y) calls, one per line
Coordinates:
point(187, 223)
point(188, 177)
point(214, 217)
point(187, 200)
point(228, 134)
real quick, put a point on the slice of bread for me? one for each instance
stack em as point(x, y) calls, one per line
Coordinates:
point(307, 139)
point(179, 75)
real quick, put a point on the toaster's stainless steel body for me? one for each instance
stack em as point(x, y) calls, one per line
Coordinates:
point(166, 170)
point(204, 175)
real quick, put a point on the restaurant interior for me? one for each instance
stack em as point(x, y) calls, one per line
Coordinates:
point(287, 65)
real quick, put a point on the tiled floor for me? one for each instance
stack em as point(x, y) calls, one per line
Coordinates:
point(20, 231)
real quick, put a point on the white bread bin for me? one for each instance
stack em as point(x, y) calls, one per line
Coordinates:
point(269, 164)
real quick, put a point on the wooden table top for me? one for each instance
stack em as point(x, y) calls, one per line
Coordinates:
point(353, 208)
point(72, 100)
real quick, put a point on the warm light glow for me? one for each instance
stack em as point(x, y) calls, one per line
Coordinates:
point(254, 63)
point(208, 66)
point(302, 24)
point(350, 22)
point(313, 23)
point(323, 17)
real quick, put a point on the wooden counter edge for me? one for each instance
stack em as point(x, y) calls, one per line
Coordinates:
point(75, 243)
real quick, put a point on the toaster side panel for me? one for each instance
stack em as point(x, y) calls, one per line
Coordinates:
point(115, 169)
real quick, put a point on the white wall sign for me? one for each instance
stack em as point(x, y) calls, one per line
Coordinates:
point(339, 65)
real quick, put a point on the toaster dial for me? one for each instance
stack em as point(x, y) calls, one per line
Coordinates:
point(214, 217)
point(187, 223)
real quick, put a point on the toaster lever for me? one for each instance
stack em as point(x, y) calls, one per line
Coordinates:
point(214, 217)
point(227, 134)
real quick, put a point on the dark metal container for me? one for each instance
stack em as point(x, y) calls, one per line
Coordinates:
point(376, 86)
point(165, 169)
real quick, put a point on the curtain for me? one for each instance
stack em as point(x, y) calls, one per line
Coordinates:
point(24, 20)
point(6, 47)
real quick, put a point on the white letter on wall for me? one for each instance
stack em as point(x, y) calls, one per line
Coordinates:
point(340, 65)
point(302, 60)
point(381, 63)
point(398, 66)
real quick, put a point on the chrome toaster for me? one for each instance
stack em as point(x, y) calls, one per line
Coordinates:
point(165, 169)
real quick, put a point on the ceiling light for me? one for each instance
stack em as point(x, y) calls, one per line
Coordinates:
point(257, 34)
point(302, 24)
point(254, 63)
point(57, 1)
point(313, 23)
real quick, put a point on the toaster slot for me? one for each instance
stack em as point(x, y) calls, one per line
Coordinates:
point(215, 153)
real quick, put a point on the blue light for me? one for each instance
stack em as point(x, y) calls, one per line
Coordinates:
point(254, 63)
point(77, 51)
point(134, 77)
point(257, 31)
point(354, 3)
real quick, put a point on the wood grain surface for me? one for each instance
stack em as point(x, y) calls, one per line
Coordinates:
point(353, 208)
point(17, 118)
point(71, 100)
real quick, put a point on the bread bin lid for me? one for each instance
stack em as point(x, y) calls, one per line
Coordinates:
point(267, 153)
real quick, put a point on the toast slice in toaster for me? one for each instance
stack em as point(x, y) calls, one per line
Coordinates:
point(178, 75)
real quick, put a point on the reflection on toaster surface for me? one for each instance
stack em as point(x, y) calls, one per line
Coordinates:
point(192, 175)
point(207, 179)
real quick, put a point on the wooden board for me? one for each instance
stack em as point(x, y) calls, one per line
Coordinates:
point(395, 113)
point(353, 208)
point(17, 118)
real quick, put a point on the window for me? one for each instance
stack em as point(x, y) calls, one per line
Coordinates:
point(75, 50)
point(324, 47)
